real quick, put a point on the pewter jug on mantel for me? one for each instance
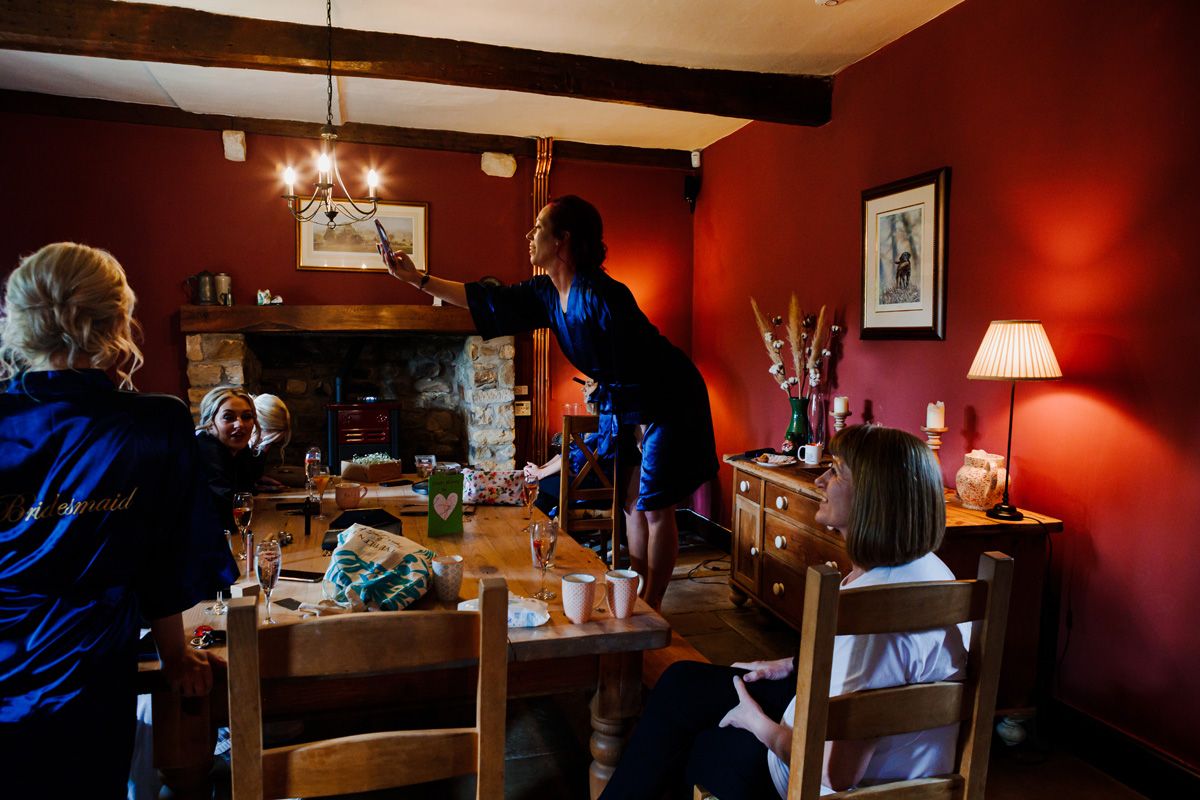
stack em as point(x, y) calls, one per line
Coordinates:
point(204, 292)
point(223, 289)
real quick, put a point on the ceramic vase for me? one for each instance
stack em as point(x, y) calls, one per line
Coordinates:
point(980, 480)
point(797, 430)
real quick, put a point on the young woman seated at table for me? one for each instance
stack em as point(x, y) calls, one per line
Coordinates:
point(228, 424)
point(729, 729)
point(105, 520)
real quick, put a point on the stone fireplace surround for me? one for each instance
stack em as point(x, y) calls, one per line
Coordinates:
point(455, 389)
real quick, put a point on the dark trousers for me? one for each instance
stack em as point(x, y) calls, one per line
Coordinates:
point(677, 743)
point(81, 751)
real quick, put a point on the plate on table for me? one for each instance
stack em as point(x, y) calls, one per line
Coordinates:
point(775, 460)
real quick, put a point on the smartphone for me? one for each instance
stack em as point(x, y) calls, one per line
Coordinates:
point(300, 575)
point(383, 240)
point(579, 380)
point(397, 482)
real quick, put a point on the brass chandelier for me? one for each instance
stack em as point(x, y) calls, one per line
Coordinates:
point(307, 208)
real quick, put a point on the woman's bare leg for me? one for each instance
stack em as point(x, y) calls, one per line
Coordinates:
point(637, 530)
point(662, 553)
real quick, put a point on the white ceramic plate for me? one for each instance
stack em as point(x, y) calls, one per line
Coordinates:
point(775, 460)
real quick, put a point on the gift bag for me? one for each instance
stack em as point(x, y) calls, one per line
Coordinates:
point(490, 487)
point(445, 504)
point(373, 570)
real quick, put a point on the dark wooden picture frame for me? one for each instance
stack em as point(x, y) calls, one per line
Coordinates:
point(904, 239)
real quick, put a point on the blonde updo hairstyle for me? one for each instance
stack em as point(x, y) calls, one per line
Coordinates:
point(274, 421)
point(217, 397)
point(71, 301)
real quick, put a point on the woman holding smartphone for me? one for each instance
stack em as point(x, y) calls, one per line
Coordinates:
point(648, 391)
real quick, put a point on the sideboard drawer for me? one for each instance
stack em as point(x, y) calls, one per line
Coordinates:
point(792, 505)
point(783, 590)
point(747, 486)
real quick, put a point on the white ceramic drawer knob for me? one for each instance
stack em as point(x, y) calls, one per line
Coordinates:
point(744, 486)
point(753, 551)
point(781, 542)
point(777, 589)
point(781, 503)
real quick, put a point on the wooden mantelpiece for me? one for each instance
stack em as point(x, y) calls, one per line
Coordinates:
point(325, 319)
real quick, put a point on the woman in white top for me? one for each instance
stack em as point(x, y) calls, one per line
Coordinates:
point(729, 729)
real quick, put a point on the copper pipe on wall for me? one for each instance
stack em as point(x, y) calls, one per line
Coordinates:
point(541, 338)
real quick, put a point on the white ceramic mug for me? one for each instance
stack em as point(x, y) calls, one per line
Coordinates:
point(622, 589)
point(578, 595)
point(811, 453)
point(447, 577)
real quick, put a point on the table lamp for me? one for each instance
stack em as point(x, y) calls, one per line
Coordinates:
point(1013, 350)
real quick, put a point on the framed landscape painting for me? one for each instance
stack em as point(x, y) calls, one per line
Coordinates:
point(351, 248)
point(904, 258)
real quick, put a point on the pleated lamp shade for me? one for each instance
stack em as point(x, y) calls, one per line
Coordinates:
point(1015, 350)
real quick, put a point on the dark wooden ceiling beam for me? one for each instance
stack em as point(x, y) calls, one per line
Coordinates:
point(144, 32)
point(456, 141)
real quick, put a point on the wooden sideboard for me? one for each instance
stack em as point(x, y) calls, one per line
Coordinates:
point(775, 538)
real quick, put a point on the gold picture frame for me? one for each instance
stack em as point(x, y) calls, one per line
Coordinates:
point(351, 248)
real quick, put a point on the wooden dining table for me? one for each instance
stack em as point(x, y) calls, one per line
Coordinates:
point(604, 654)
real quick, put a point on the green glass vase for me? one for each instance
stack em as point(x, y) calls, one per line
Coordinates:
point(797, 431)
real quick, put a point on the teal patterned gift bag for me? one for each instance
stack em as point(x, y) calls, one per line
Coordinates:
point(373, 570)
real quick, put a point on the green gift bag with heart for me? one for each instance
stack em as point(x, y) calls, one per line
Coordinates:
point(445, 503)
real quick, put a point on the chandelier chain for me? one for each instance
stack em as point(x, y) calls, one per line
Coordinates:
point(329, 63)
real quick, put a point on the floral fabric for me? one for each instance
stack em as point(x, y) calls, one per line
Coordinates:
point(493, 487)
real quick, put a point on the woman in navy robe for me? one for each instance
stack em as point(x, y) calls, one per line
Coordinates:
point(104, 520)
point(648, 389)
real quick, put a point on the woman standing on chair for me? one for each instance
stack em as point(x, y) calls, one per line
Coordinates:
point(729, 729)
point(647, 388)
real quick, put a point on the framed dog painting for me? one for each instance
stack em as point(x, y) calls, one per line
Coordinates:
point(904, 258)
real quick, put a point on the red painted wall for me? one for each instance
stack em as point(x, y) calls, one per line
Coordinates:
point(1072, 130)
point(168, 205)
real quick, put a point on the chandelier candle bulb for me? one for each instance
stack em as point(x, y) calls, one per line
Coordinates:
point(841, 405)
point(935, 415)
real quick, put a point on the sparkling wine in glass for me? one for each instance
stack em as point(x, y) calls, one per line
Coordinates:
point(320, 481)
point(543, 536)
point(243, 512)
point(312, 460)
point(268, 560)
point(529, 492)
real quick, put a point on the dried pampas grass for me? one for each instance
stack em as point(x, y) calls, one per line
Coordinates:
point(794, 326)
point(820, 337)
point(764, 328)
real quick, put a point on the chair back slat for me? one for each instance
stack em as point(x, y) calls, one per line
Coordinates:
point(899, 709)
point(366, 643)
point(949, 787)
point(910, 607)
point(368, 762)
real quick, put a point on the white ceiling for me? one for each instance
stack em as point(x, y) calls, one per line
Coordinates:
point(790, 36)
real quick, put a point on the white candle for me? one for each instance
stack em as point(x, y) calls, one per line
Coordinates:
point(935, 415)
point(841, 405)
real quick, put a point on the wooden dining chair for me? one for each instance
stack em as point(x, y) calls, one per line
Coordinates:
point(895, 608)
point(355, 644)
point(603, 498)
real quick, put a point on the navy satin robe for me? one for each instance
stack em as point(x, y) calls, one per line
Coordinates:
point(642, 378)
point(104, 519)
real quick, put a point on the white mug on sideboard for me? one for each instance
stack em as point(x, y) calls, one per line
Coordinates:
point(810, 453)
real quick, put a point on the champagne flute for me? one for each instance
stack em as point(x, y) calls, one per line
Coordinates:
point(268, 560)
point(320, 481)
point(543, 536)
point(529, 491)
point(220, 606)
point(243, 512)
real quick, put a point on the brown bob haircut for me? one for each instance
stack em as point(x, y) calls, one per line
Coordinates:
point(898, 511)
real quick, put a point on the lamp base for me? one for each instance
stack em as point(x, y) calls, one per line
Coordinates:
point(1005, 512)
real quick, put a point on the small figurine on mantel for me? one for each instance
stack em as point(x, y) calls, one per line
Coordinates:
point(265, 298)
point(811, 341)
